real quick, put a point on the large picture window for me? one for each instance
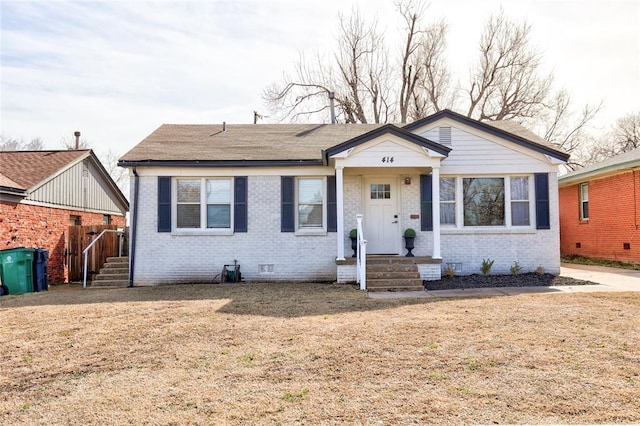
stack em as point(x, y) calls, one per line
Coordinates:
point(483, 201)
point(203, 203)
point(310, 203)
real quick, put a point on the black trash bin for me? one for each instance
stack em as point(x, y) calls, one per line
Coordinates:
point(40, 270)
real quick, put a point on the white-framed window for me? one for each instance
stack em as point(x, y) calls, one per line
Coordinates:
point(520, 201)
point(584, 201)
point(486, 201)
point(311, 204)
point(447, 201)
point(203, 203)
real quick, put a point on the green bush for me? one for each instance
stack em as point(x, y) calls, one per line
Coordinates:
point(353, 233)
point(486, 266)
point(409, 232)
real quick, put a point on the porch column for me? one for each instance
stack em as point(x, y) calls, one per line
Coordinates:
point(435, 187)
point(340, 212)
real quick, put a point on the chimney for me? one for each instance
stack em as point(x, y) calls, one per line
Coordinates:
point(77, 135)
point(332, 107)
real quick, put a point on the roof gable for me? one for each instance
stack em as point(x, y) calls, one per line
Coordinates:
point(33, 174)
point(388, 129)
point(507, 130)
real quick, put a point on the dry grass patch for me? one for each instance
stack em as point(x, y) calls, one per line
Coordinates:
point(313, 353)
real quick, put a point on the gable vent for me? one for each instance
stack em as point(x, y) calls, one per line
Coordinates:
point(444, 135)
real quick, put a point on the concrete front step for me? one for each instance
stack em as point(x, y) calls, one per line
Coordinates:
point(392, 275)
point(117, 260)
point(109, 269)
point(108, 277)
point(400, 284)
point(109, 284)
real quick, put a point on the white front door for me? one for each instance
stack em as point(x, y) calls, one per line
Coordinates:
point(381, 227)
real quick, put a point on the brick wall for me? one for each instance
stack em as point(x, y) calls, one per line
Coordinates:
point(24, 225)
point(614, 219)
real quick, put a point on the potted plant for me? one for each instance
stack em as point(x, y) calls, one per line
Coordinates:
point(409, 238)
point(353, 234)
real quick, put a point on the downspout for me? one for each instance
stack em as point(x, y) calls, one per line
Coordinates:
point(134, 222)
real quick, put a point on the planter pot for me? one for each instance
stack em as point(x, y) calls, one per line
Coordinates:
point(354, 246)
point(408, 244)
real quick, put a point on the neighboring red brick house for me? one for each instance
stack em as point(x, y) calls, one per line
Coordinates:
point(600, 209)
point(43, 192)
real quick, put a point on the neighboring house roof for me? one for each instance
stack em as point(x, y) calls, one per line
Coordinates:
point(624, 161)
point(25, 171)
point(28, 168)
point(284, 144)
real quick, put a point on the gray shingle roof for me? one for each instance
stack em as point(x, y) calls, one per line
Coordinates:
point(252, 142)
point(269, 142)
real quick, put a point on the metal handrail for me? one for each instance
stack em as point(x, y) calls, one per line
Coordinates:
point(95, 240)
point(361, 255)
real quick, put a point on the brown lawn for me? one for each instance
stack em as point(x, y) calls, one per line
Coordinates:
point(316, 354)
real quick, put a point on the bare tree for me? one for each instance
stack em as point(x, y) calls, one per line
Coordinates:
point(11, 144)
point(120, 176)
point(507, 81)
point(626, 133)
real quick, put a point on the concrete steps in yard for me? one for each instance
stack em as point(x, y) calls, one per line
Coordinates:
point(392, 273)
point(114, 274)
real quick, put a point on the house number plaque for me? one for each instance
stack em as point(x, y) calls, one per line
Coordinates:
point(387, 159)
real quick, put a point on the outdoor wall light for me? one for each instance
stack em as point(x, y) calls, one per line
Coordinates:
point(407, 181)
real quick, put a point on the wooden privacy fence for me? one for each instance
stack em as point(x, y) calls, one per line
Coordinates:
point(80, 236)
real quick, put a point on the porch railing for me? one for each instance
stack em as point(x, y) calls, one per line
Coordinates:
point(120, 232)
point(361, 256)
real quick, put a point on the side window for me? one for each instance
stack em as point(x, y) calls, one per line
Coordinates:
point(447, 201)
point(310, 201)
point(520, 201)
point(204, 203)
point(584, 201)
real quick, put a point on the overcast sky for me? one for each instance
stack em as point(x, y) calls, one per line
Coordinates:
point(116, 70)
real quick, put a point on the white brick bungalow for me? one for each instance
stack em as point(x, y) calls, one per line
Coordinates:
point(280, 199)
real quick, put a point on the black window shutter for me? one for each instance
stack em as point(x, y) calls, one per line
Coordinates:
point(287, 216)
point(332, 206)
point(164, 203)
point(426, 202)
point(542, 201)
point(240, 204)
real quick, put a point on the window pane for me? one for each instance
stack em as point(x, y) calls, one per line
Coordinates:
point(188, 216)
point(448, 214)
point(447, 189)
point(380, 191)
point(519, 188)
point(584, 192)
point(219, 216)
point(310, 216)
point(188, 190)
point(483, 200)
point(218, 191)
point(520, 213)
point(310, 190)
point(585, 210)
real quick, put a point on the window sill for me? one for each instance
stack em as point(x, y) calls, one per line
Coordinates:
point(311, 232)
point(487, 231)
point(201, 232)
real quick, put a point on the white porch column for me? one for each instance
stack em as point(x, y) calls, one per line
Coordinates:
point(340, 212)
point(435, 187)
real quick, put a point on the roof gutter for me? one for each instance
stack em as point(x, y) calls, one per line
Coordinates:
point(134, 222)
point(221, 163)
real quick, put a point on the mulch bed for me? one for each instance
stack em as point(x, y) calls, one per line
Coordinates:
point(485, 281)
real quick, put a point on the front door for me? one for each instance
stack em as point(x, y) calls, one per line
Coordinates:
point(381, 216)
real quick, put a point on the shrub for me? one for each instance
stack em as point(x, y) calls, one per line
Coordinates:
point(486, 266)
point(450, 270)
point(353, 233)
point(540, 270)
point(515, 269)
point(409, 232)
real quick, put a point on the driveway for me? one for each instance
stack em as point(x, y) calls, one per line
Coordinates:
point(608, 279)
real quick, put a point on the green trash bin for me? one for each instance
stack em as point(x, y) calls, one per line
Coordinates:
point(17, 270)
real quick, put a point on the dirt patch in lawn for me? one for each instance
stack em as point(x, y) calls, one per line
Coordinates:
point(316, 354)
point(486, 281)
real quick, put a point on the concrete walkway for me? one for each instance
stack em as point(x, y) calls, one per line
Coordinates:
point(608, 279)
